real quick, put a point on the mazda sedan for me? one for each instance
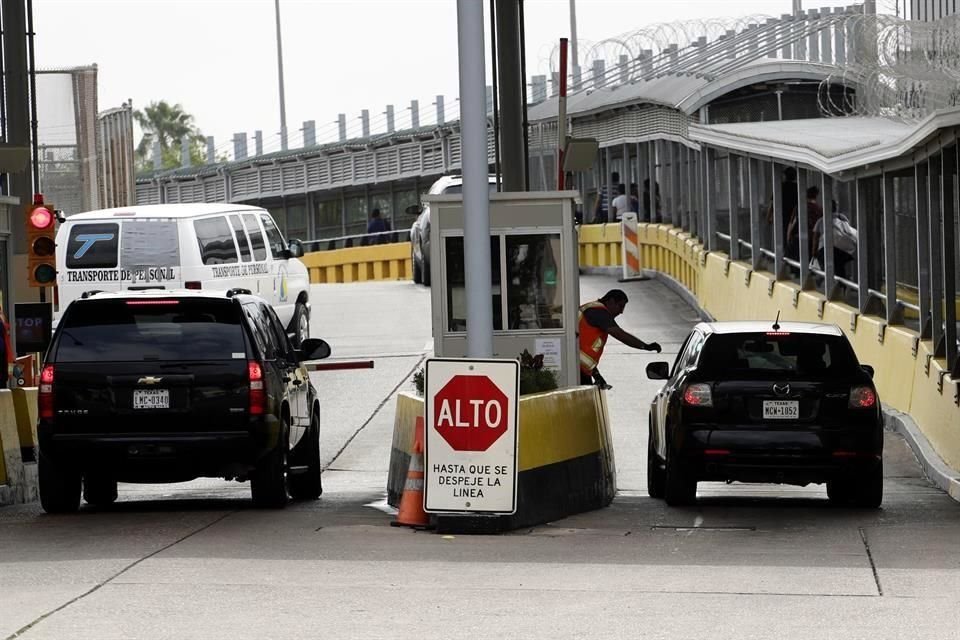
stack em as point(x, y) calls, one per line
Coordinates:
point(758, 402)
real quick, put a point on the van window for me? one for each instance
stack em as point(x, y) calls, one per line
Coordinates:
point(149, 243)
point(93, 246)
point(241, 238)
point(215, 240)
point(277, 245)
point(256, 237)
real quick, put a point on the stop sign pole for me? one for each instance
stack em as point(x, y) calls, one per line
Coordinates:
point(470, 458)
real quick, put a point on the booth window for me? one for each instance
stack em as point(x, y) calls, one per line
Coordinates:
point(456, 284)
point(534, 282)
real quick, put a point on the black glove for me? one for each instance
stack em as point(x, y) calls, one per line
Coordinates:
point(654, 346)
point(599, 381)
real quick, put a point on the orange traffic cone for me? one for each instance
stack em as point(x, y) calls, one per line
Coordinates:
point(411, 513)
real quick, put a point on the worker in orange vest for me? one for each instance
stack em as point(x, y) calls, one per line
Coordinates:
point(597, 322)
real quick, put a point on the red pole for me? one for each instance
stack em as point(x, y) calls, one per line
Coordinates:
point(562, 124)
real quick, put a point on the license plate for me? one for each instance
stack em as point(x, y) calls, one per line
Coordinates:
point(781, 409)
point(151, 399)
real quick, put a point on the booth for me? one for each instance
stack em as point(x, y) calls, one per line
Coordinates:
point(534, 277)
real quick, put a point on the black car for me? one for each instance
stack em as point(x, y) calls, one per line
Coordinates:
point(750, 402)
point(168, 386)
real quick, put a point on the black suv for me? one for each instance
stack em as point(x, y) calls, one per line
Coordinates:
point(168, 386)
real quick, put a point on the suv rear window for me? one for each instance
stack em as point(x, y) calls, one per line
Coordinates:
point(778, 354)
point(136, 331)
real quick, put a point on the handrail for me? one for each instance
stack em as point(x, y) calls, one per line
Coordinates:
point(355, 240)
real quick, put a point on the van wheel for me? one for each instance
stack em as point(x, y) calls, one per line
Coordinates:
point(268, 482)
point(308, 485)
point(59, 486)
point(99, 490)
point(301, 324)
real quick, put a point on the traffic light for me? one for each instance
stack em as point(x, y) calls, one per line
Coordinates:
point(41, 226)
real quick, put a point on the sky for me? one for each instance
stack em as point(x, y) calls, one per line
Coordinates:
point(218, 58)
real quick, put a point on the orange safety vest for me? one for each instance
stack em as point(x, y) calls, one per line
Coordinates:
point(592, 340)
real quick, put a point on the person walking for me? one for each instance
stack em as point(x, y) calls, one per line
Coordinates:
point(601, 205)
point(596, 323)
point(377, 225)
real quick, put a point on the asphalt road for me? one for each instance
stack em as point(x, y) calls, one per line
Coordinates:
point(194, 560)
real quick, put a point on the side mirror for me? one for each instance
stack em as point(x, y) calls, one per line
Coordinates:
point(314, 349)
point(869, 369)
point(414, 210)
point(658, 370)
point(296, 249)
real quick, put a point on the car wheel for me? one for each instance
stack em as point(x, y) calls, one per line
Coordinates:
point(862, 490)
point(268, 482)
point(99, 490)
point(656, 479)
point(679, 488)
point(425, 276)
point(416, 268)
point(301, 324)
point(59, 486)
point(308, 485)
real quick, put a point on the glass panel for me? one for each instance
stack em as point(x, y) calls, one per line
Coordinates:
point(785, 355)
point(256, 237)
point(456, 284)
point(403, 199)
point(296, 221)
point(215, 240)
point(329, 222)
point(149, 243)
point(534, 282)
point(280, 218)
point(241, 238)
point(93, 246)
point(186, 330)
point(277, 245)
point(356, 210)
point(383, 201)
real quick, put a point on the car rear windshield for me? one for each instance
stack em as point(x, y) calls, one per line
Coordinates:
point(780, 354)
point(144, 330)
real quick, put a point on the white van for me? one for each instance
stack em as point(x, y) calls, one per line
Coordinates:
point(191, 246)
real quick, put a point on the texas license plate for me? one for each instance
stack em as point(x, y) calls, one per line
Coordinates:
point(151, 399)
point(781, 409)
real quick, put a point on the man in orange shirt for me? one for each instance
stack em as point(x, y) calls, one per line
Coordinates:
point(597, 322)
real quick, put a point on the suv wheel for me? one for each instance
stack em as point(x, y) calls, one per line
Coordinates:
point(99, 490)
point(416, 268)
point(862, 490)
point(678, 487)
point(59, 486)
point(268, 482)
point(301, 324)
point(656, 479)
point(308, 485)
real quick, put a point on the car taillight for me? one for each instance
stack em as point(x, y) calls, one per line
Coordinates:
point(862, 398)
point(258, 395)
point(45, 395)
point(698, 395)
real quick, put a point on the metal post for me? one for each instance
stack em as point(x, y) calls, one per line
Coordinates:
point(829, 265)
point(473, 131)
point(786, 52)
point(158, 155)
point(16, 80)
point(710, 171)
point(778, 230)
point(921, 194)
point(652, 175)
point(185, 151)
point(258, 142)
point(391, 123)
point(342, 127)
point(211, 151)
point(840, 41)
point(365, 122)
point(936, 275)
point(573, 40)
point(608, 155)
point(826, 42)
point(950, 262)
point(415, 114)
point(310, 133)
point(562, 118)
point(642, 169)
point(733, 205)
point(441, 116)
point(755, 244)
point(890, 248)
point(510, 89)
point(863, 273)
point(283, 104)
point(813, 44)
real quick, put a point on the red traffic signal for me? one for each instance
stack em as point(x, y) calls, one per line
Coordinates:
point(41, 218)
point(41, 222)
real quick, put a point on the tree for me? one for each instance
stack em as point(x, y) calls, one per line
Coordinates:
point(168, 124)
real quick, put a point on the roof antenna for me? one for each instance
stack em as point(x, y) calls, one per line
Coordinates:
point(776, 323)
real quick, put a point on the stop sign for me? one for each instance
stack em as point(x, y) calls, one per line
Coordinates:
point(470, 412)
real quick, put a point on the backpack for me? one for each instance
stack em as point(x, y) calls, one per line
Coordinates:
point(844, 235)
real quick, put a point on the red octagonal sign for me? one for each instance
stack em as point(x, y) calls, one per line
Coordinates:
point(470, 413)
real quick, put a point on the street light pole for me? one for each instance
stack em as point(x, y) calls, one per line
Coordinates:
point(283, 104)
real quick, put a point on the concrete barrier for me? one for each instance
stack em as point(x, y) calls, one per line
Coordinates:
point(25, 408)
point(908, 377)
point(360, 264)
point(18, 472)
point(565, 460)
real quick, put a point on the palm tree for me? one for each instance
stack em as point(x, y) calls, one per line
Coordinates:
point(168, 124)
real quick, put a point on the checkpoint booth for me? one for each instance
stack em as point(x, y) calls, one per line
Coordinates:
point(534, 277)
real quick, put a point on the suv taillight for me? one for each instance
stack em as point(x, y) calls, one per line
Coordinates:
point(698, 395)
point(258, 395)
point(45, 395)
point(862, 398)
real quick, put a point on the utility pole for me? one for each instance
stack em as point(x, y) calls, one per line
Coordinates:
point(510, 83)
point(283, 104)
point(574, 57)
